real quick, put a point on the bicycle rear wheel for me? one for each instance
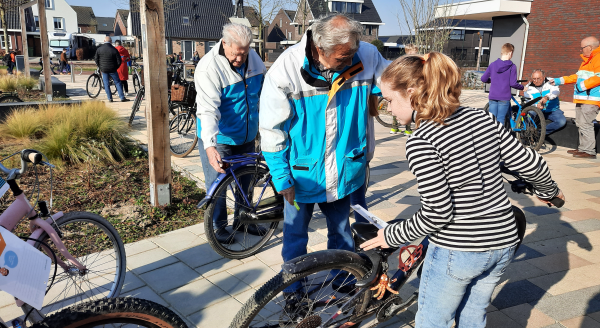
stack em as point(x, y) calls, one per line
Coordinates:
point(228, 199)
point(93, 86)
point(112, 86)
point(119, 312)
point(318, 301)
point(95, 243)
point(136, 105)
point(10, 99)
point(182, 134)
point(385, 118)
point(136, 83)
point(534, 128)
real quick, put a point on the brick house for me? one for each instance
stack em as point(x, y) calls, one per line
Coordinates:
point(546, 34)
point(192, 25)
point(86, 20)
point(15, 41)
point(120, 26)
point(281, 29)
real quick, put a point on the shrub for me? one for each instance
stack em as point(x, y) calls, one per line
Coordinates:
point(8, 83)
point(20, 124)
point(27, 83)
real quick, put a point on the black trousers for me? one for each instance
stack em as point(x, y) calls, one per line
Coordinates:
point(125, 86)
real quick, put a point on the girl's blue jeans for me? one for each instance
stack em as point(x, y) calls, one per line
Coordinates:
point(458, 286)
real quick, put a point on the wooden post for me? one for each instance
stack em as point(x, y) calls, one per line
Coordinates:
point(45, 48)
point(479, 50)
point(24, 36)
point(155, 81)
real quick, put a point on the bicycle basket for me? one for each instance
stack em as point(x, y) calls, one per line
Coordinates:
point(178, 93)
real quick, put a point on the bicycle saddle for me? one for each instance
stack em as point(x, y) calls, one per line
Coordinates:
point(364, 231)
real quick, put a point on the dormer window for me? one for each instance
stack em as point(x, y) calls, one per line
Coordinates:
point(346, 7)
point(186, 20)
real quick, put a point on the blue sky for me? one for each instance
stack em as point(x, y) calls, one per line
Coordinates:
point(388, 10)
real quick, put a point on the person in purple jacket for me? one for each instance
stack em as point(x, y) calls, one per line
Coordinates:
point(503, 75)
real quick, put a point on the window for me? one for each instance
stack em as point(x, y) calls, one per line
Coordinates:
point(79, 29)
point(299, 29)
point(48, 3)
point(59, 43)
point(36, 20)
point(289, 35)
point(280, 22)
point(457, 35)
point(368, 29)
point(211, 44)
point(345, 7)
point(104, 25)
point(459, 53)
point(186, 20)
point(58, 23)
point(9, 42)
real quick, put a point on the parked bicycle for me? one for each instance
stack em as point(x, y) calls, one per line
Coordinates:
point(95, 84)
point(385, 117)
point(116, 312)
point(9, 97)
point(86, 251)
point(183, 135)
point(136, 73)
point(526, 122)
point(368, 288)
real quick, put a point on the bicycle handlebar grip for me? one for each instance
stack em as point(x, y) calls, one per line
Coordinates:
point(557, 202)
point(31, 156)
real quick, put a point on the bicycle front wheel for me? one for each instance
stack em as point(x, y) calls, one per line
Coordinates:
point(316, 302)
point(532, 128)
point(136, 83)
point(182, 134)
point(225, 234)
point(93, 86)
point(112, 86)
point(78, 70)
point(95, 243)
point(119, 312)
point(385, 118)
point(10, 99)
point(136, 105)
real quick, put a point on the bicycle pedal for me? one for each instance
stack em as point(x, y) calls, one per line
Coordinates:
point(18, 323)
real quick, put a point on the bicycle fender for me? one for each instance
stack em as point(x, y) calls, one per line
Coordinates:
point(318, 259)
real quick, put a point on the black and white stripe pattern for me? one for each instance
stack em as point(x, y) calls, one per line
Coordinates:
point(464, 204)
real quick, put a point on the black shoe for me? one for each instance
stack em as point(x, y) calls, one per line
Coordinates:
point(252, 229)
point(110, 100)
point(224, 236)
point(124, 100)
point(293, 306)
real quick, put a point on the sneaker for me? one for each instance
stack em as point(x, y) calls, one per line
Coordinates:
point(224, 237)
point(252, 229)
point(393, 131)
point(110, 100)
point(124, 100)
point(408, 132)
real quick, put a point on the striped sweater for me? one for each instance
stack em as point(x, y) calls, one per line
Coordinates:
point(464, 205)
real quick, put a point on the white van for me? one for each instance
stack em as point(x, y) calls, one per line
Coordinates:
point(71, 41)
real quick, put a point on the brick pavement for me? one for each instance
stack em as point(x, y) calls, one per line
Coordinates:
point(551, 283)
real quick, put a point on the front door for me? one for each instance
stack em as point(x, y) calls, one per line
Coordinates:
point(187, 50)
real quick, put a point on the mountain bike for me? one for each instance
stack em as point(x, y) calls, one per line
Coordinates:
point(9, 97)
point(526, 122)
point(86, 251)
point(369, 288)
point(385, 117)
point(95, 84)
point(136, 72)
point(116, 312)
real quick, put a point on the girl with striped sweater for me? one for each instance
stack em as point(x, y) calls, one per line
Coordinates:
point(455, 154)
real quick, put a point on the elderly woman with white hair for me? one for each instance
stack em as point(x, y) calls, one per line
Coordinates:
point(313, 126)
point(229, 80)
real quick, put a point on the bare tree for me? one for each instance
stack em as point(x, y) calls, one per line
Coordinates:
point(264, 12)
point(426, 21)
point(9, 7)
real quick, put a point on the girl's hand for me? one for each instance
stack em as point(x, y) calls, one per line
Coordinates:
point(378, 241)
point(560, 195)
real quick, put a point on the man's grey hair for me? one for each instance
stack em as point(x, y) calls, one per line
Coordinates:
point(327, 33)
point(595, 43)
point(238, 34)
point(538, 70)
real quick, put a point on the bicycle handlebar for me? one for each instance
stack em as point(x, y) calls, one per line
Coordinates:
point(521, 81)
point(27, 156)
point(521, 186)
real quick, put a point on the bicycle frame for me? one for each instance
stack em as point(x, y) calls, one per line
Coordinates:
point(521, 115)
point(234, 163)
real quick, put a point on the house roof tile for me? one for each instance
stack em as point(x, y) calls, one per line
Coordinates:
point(109, 21)
point(85, 15)
point(124, 15)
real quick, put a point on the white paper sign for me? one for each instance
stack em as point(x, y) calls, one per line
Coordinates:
point(379, 223)
point(24, 270)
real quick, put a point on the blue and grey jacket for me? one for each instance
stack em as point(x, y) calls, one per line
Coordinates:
point(227, 100)
point(548, 90)
point(313, 132)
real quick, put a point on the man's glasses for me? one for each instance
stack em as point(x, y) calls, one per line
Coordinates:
point(581, 50)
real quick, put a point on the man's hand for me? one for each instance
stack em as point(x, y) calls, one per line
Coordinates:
point(289, 194)
point(378, 241)
point(551, 81)
point(542, 103)
point(214, 159)
point(560, 195)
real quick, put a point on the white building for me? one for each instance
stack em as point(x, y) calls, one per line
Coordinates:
point(60, 17)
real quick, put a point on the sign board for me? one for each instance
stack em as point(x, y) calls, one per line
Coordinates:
point(20, 63)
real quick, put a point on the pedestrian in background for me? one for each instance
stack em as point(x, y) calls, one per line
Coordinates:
point(108, 60)
point(502, 74)
point(123, 70)
point(63, 61)
point(587, 96)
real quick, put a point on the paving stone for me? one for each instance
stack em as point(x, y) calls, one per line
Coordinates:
point(218, 315)
point(197, 229)
point(170, 277)
point(195, 296)
point(139, 247)
point(548, 231)
point(498, 319)
point(561, 244)
point(145, 293)
point(515, 293)
point(572, 304)
point(315, 238)
point(9, 313)
point(215, 267)
point(230, 284)
point(198, 256)
point(541, 210)
point(131, 282)
point(178, 240)
point(526, 253)
point(253, 273)
point(521, 270)
point(581, 166)
point(584, 214)
point(150, 260)
point(584, 226)
point(563, 282)
point(589, 180)
point(245, 296)
point(583, 322)
point(527, 316)
point(588, 255)
point(595, 316)
point(558, 262)
point(595, 193)
point(272, 255)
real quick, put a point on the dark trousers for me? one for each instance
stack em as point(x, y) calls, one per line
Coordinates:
point(125, 86)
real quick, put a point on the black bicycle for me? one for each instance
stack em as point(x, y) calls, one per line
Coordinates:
point(364, 286)
point(95, 84)
point(136, 72)
point(9, 97)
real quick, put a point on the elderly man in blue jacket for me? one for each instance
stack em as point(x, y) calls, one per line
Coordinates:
point(229, 80)
point(313, 120)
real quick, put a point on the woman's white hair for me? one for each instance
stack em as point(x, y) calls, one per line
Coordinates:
point(238, 34)
point(327, 32)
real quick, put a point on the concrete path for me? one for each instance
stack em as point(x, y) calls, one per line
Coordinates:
point(551, 283)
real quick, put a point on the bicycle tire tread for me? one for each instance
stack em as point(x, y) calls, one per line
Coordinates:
point(85, 313)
